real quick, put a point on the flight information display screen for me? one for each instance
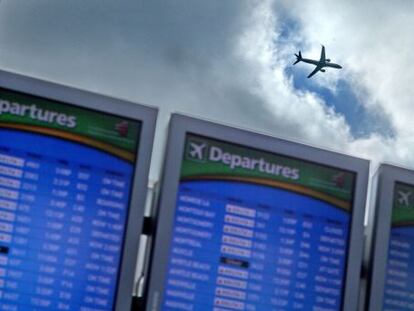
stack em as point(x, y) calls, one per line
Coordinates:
point(399, 277)
point(65, 182)
point(257, 231)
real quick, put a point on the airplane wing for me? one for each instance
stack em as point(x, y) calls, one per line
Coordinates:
point(322, 60)
point(315, 71)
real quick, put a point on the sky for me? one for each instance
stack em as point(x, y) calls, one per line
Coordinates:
point(231, 62)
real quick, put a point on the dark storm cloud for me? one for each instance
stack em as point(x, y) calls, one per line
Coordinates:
point(162, 53)
point(118, 35)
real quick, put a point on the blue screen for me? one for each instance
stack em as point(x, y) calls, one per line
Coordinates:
point(63, 210)
point(244, 246)
point(399, 280)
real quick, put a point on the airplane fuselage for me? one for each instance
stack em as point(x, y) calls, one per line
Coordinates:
point(321, 64)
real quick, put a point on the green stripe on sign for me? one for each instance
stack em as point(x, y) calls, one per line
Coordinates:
point(403, 205)
point(18, 108)
point(204, 156)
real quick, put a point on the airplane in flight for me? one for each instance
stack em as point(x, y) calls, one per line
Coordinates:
point(320, 64)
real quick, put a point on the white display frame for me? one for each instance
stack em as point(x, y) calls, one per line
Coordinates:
point(180, 126)
point(116, 107)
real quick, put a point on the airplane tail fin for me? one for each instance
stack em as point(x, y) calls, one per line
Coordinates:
point(298, 58)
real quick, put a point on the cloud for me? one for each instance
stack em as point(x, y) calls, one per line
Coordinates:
point(372, 40)
point(221, 60)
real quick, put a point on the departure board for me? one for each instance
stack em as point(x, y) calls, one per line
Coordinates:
point(66, 175)
point(254, 230)
point(399, 275)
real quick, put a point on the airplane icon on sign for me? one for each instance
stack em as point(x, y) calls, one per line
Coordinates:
point(404, 197)
point(197, 150)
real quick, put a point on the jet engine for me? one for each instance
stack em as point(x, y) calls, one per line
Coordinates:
point(327, 60)
point(323, 70)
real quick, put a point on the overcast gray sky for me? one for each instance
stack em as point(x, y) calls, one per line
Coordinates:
point(231, 61)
